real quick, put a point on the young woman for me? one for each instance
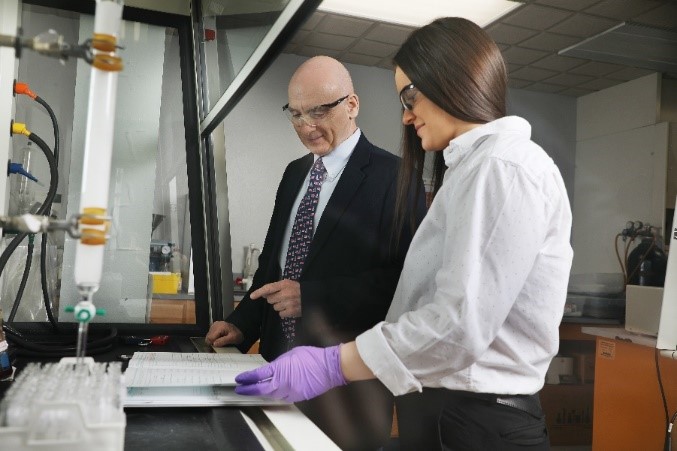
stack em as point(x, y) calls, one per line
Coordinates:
point(474, 321)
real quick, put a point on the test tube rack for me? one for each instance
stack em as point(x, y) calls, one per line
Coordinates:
point(65, 406)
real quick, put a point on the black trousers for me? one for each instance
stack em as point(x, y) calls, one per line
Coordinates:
point(440, 419)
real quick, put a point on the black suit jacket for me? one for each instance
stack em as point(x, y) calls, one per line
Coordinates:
point(347, 284)
point(353, 264)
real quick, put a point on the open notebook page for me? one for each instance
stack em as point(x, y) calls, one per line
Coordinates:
point(176, 369)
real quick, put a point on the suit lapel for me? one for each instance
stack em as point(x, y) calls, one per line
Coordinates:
point(345, 190)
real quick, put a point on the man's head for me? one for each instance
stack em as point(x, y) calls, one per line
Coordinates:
point(322, 105)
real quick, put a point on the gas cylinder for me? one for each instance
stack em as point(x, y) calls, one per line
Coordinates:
point(647, 264)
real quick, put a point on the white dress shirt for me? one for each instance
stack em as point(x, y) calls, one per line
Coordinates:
point(334, 162)
point(482, 292)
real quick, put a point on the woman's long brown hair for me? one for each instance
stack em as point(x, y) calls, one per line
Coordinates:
point(458, 67)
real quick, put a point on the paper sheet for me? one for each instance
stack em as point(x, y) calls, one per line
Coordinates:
point(176, 369)
point(172, 379)
point(191, 397)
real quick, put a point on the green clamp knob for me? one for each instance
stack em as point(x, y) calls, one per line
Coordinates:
point(83, 316)
point(84, 311)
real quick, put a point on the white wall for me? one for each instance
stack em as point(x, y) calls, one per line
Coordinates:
point(9, 19)
point(668, 113)
point(621, 161)
point(260, 141)
point(52, 80)
point(553, 127)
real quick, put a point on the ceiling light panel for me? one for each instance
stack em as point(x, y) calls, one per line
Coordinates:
point(422, 12)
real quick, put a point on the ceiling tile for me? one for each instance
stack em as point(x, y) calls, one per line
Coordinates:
point(535, 17)
point(344, 26)
point(533, 73)
point(629, 73)
point(519, 55)
point(569, 79)
point(300, 36)
point(664, 16)
point(528, 37)
point(583, 25)
point(558, 63)
point(507, 34)
point(574, 5)
point(312, 21)
point(576, 92)
point(374, 48)
point(599, 84)
point(364, 60)
point(623, 10)
point(549, 41)
point(390, 34)
point(519, 84)
point(596, 68)
point(310, 51)
point(546, 87)
point(513, 67)
point(329, 41)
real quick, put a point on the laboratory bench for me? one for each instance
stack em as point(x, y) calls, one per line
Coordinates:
point(207, 428)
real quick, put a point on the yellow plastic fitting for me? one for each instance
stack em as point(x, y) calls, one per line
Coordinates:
point(93, 216)
point(20, 129)
point(104, 42)
point(108, 63)
point(93, 237)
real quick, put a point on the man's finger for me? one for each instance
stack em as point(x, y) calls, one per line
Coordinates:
point(224, 341)
point(265, 290)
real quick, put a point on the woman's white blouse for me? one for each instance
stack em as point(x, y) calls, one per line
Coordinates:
point(484, 283)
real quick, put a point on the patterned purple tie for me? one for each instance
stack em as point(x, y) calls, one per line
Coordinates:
point(301, 236)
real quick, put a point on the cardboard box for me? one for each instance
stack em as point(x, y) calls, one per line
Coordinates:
point(643, 309)
point(568, 413)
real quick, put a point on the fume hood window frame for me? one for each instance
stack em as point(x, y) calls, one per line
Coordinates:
point(295, 13)
point(183, 26)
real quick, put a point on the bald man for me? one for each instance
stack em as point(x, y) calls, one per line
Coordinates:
point(349, 274)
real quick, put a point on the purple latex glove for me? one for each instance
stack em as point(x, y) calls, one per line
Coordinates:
point(302, 373)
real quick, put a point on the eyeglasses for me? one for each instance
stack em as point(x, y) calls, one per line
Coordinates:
point(407, 96)
point(313, 115)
